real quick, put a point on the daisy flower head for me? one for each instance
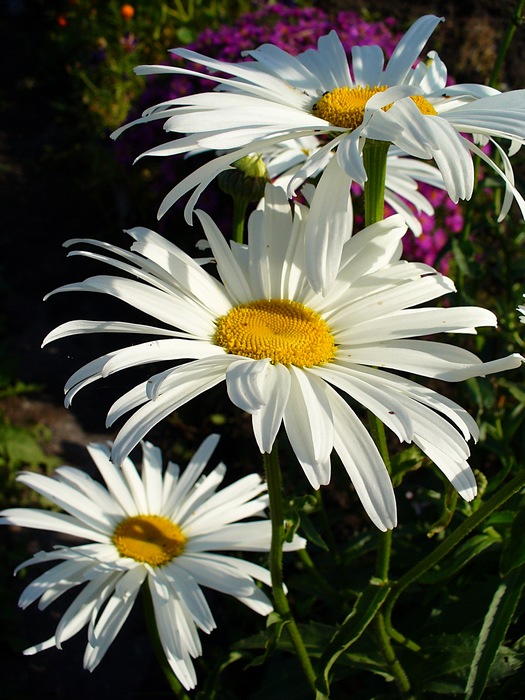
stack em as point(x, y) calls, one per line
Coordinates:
point(275, 97)
point(163, 529)
point(289, 355)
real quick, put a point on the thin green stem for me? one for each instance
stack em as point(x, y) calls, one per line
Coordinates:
point(394, 666)
point(239, 214)
point(516, 21)
point(173, 681)
point(274, 481)
point(374, 160)
point(452, 541)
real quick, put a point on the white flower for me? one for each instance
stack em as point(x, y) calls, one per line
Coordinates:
point(163, 529)
point(277, 97)
point(282, 348)
point(401, 184)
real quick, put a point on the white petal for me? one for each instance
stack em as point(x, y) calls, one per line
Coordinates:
point(408, 49)
point(193, 380)
point(364, 465)
point(328, 227)
point(244, 380)
point(266, 421)
point(309, 425)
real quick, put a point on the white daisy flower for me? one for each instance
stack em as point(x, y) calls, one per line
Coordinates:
point(277, 97)
point(286, 352)
point(163, 529)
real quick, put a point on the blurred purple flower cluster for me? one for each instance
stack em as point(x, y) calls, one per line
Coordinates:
point(294, 29)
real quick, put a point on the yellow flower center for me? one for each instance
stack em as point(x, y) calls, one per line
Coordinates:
point(345, 106)
point(286, 332)
point(150, 539)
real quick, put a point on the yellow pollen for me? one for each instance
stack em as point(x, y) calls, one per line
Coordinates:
point(286, 332)
point(345, 106)
point(150, 539)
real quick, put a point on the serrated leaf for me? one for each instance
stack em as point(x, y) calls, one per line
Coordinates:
point(495, 626)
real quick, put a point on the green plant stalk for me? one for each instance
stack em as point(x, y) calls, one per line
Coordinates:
point(442, 550)
point(516, 21)
point(374, 160)
point(274, 482)
point(239, 214)
point(174, 683)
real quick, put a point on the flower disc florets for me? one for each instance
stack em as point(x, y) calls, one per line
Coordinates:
point(150, 539)
point(345, 106)
point(286, 332)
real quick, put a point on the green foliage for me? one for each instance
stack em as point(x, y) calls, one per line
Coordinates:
point(21, 448)
point(101, 42)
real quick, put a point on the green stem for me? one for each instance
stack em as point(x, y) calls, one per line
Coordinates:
point(374, 160)
point(394, 666)
point(274, 481)
point(173, 681)
point(516, 21)
point(239, 214)
point(483, 512)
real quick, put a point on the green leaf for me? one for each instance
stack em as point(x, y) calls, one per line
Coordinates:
point(365, 609)
point(513, 554)
point(493, 631)
point(311, 533)
point(274, 625)
point(463, 554)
